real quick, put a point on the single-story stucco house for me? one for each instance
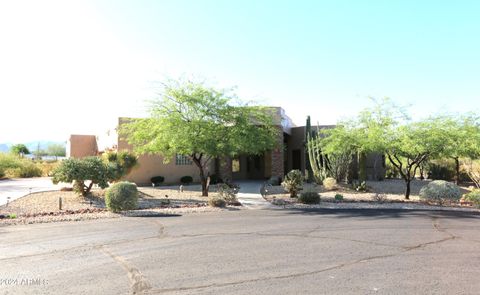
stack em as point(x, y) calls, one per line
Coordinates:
point(288, 154)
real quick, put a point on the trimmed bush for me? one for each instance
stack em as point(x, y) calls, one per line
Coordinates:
point(157, 180)
point(440, 191)
point(293, 182)
point(79, 171)
point(309, 198)
point(330, 184)
point(122, 196)
point(186, 179)
point(474, 197)
point(216, 202)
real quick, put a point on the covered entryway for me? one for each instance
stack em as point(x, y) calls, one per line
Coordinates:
point(249, 167)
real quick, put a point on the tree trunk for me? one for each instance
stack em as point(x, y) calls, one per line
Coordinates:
point(457, 171)
point(408, 189)
point(203, 178)
point(362, 163)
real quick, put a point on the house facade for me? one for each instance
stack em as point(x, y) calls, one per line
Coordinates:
point(288, 153)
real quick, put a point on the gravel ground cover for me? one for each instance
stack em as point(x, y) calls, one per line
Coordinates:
point(44, 206)
point(392, 190)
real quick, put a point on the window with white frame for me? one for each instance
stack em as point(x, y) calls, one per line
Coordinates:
point(182, 160)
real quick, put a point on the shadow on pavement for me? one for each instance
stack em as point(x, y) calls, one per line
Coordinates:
point(382, 213)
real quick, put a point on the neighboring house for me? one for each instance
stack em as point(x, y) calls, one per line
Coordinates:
point(80, 146)
point(288, 154)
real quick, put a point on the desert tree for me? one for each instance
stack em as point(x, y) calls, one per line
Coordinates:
point(202, 123)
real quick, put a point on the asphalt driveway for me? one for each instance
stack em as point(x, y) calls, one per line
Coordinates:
point(247, 252)
point(19, 187)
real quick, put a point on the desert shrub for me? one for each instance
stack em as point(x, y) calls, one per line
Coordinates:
point(121, 163)
point(293, 182)
point(47, 167)
point(474, 197)
point(216, 202)
point(441, 170)
point(122, 196)
point(26, 170)
point(228, 193)
point(79, 171)
point(157, 180)
point(309, 198)
point(379, 198)
point(440, 191)
point(186, 179)
point(330, 183)
point(2, 173)
point(338, 197)
point(15, 166)
point(360, 186)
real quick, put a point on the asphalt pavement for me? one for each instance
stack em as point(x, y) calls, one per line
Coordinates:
point(247, 252)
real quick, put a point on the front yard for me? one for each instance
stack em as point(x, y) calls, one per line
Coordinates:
point(381, 194)
point(45, 207)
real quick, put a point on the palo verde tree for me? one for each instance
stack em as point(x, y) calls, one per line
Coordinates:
point(410, 145)
point(19, 149)
point(461, 139)
point(202, 123)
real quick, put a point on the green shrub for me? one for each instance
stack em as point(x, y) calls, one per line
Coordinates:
point(440, 191)
point(474, 197)
point(157, 180)
point(122, 196)
point(216, 202)
point(293, 182)
point(79, 171)
point(186, 179)
point(330, 183)
point(121, 163)
point(338, 197)
point(15, 166)
point(2, 173)
point(309, 198)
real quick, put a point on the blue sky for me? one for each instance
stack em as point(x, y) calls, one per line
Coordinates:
point(75, 66)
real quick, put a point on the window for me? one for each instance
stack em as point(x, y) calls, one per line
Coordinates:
point(182, 160)
point(235, 165)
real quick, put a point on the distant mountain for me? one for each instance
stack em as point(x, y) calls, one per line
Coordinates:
point(32, 146)
point(4, 147)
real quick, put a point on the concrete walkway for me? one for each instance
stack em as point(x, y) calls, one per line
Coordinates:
point(250, 196)
point(15, 188)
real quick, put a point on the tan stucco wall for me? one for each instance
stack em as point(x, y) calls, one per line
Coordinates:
point(153, 165)
point(80, 146)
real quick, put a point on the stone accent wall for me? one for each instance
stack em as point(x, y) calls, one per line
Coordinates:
point(225, 168)
point(277, 157)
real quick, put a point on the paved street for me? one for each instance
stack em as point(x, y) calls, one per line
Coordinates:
point(247, 252)
point(19, 187)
